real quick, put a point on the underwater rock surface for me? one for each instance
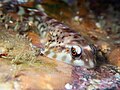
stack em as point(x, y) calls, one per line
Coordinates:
point(22, 68)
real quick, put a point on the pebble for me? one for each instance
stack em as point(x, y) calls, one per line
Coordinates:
point(68, 86)
point(76, 18)
point(98, 25)
point(114, 57)
point(80, 19)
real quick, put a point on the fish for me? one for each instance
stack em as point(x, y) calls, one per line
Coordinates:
point(57, 40)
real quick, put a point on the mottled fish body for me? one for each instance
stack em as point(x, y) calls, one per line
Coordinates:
point(59, 41)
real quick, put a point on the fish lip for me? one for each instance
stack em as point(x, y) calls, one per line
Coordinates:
point(81, 63)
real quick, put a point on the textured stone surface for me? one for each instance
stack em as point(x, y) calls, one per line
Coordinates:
point(114, 57)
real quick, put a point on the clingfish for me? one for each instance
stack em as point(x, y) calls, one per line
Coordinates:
point(58, 41)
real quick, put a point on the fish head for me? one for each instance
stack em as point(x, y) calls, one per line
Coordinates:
point(83, 56)
point(74, 55)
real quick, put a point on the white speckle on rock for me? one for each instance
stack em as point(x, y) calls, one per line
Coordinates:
point(77, 12)
point(1, 5)
point(83, 79)
point(110, 83)
point(117, 75)
point(98, 25)
point(10, 21)
point(91, 87)
point(76, 18)
point(96, 80)
point(11, 69)
point(68, 86)
point(80, 19)
point(108, 37)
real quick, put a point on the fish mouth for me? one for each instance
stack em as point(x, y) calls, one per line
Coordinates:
point(82, 63)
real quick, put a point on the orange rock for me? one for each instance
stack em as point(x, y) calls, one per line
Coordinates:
point(114, 57)
point(45, 77)
point(41, 81)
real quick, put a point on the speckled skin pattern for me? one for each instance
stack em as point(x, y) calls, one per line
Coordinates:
point(58, 41)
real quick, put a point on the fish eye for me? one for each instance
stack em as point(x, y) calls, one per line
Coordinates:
point(76, 51)
point(73, 52)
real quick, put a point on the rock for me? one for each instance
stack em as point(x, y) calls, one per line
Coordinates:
point(68, 86)
point(45, 77)
point(114, 57)
point(104, 46)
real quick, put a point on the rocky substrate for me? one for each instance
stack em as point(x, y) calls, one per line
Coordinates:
point(22, 68)
point(106, 77)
